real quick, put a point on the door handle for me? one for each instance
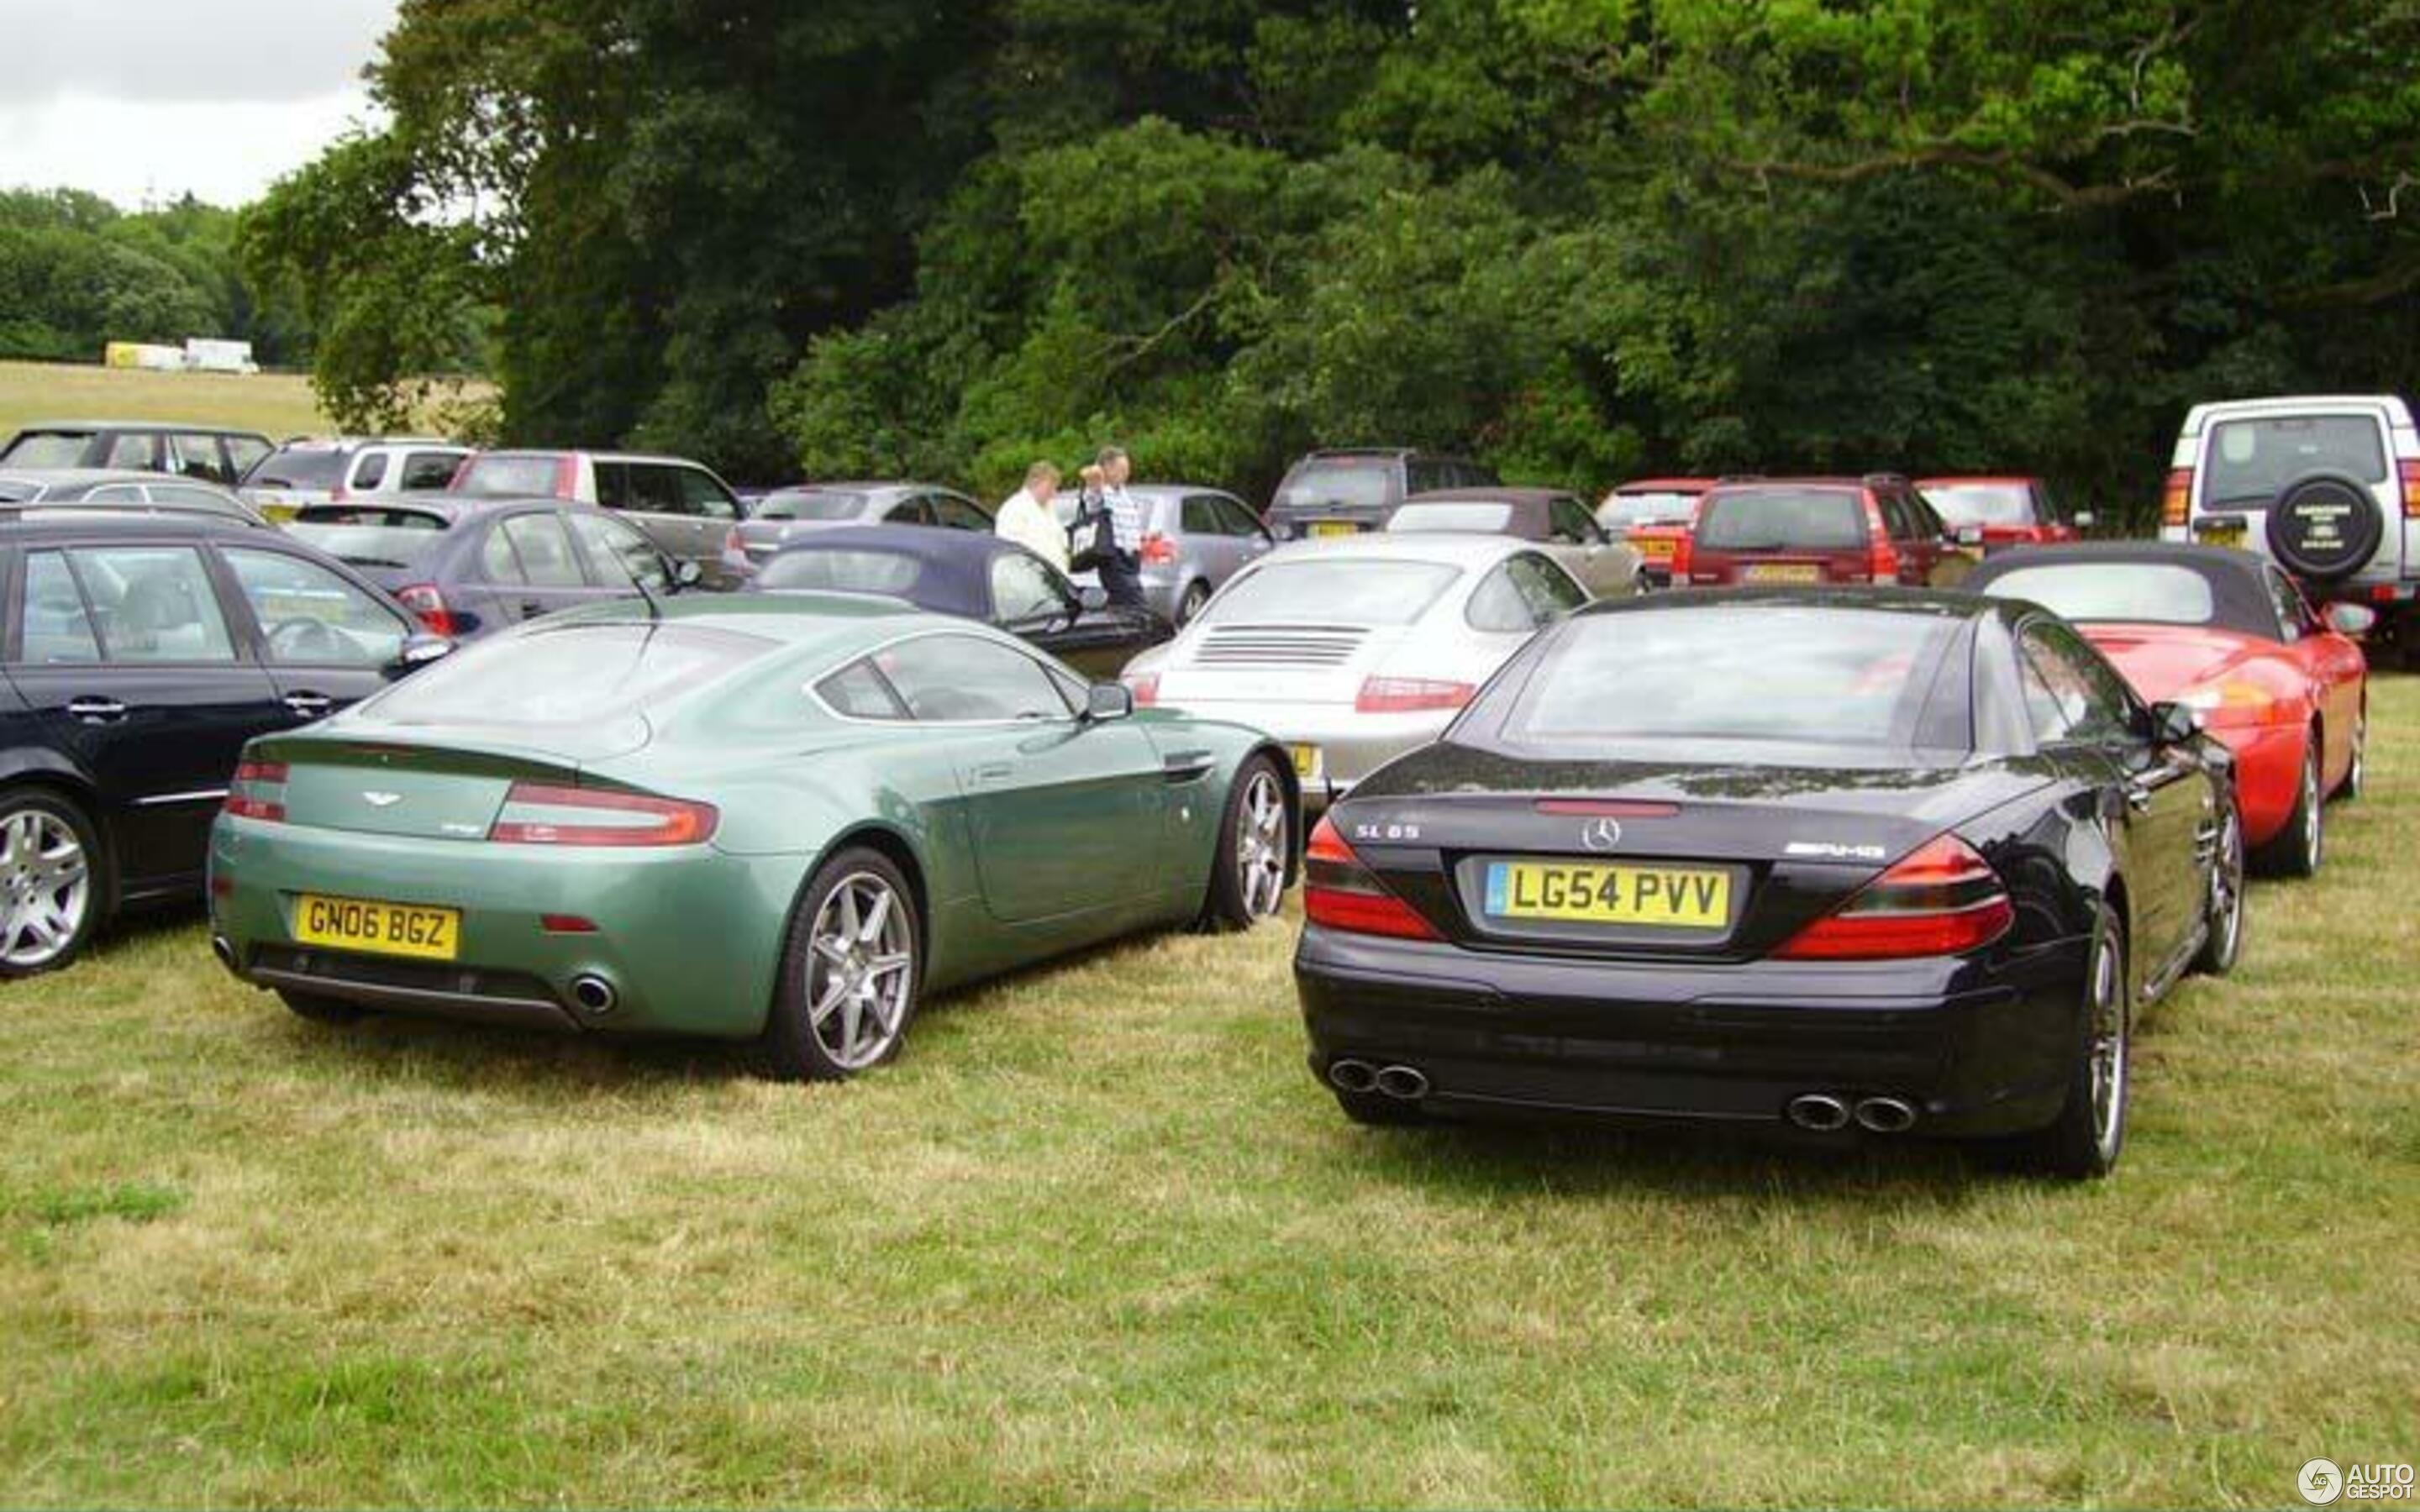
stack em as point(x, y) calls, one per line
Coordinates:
point(531, 609)
point(96, 710)
point(994, 772)
point(308, 705)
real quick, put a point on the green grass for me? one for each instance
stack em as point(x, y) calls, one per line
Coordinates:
point(1098, 1240)
point(277, 404)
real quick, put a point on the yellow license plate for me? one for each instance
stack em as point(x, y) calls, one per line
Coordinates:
point(1306, 761)
point(1333, 526)
point(2220, 532)
point(1585, 893)
point(1784, 572)
point(1656, 547)
point(379, 929)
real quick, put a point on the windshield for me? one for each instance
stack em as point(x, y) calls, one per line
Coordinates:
point(2137, 592)
point(1648, 509)
point(1334, 591)
point(1963, 504)
point(497, 476)
point(47, 449)
point(1739, 672)
point(1782, 519)
point(1363, 483)
point(1473, 518)
point(848, 571)
point(317, 468)
point(571, 675)
point(2250, 461)
point(819, 504)
point(369, 536)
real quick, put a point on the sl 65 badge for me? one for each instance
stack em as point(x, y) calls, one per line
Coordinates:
point(1386, 832)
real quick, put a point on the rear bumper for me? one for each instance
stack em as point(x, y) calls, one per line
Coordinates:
point(1977, 1050)
point(687, 939)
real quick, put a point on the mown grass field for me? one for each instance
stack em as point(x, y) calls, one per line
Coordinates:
point(1097, 1240)
point(277, 404)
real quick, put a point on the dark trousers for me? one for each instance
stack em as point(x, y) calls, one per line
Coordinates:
point(1121, 579)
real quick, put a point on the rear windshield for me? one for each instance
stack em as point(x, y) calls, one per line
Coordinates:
point(1740, 672)
point(2153, 593)
point(848, 572)
point(47, 449)
point(1337, 591)
point(1474, 519)
point(509, 477)
point(817, 503)
point(1647, 508)
point(2250, 461)
point(368, 535)
point(317, 468)
point(1350, 484)
point(569, 676)
point(1963, 505)
point(1782, 519)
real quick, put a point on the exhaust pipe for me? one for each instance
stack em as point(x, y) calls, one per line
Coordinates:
point(1351, 1075)
point(224, 950)
point(1819, 1111)
point(1886, 1115)
point(593, 994)
point(1406, 1082)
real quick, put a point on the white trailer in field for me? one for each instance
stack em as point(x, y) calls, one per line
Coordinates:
point(208, 355)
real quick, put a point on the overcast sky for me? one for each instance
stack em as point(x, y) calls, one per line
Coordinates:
point(149, 98)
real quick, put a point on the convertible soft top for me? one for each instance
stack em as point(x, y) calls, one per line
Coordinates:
point(954, 567)
point(2239, 590)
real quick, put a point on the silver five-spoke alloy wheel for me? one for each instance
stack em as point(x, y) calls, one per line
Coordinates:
point(45, 887)
point(1260, 844)
point(862, 971)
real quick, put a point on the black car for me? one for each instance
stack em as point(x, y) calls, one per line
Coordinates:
point(1883, 859)
point(469, 566)
point(1346, 492)
point(211, 452)
point(137, 654)
point(980, 576)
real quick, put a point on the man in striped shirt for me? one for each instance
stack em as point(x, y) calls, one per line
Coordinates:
point(1122, 574)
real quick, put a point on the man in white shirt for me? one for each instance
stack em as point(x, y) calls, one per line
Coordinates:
point(1026, 519)
point(1122, 574)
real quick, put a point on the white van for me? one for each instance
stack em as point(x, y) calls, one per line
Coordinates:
point(2327, 486)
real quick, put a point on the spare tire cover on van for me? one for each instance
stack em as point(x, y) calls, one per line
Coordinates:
point(2324, 525)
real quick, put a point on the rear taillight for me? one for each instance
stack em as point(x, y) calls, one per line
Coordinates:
point(1883, 563)
point(567, 477)
point(1145, 689)
point(1159, 550)
point(259, 792)
point(2411, 488)
point(1681, 550)
point(1410, 695)
point(537, 813)
point(2176, 504)
point(1943, 899)
point(426, 601)
point(1340, 893)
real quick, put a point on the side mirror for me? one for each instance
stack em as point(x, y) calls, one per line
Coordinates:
point(419, 650)
point(2173, 724)
point(2355, 619)
point(1091, 598)
point(1107, 701)
point(686, 574)
point(1969, 535)
point(2085, 519)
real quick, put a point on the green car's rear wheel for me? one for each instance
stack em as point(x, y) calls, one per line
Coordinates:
point(1255, 847)
point(850, 971)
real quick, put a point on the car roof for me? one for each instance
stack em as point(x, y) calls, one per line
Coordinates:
point(94, 477)
point(1931, 603)
point(44, 522)
point(796, 618)
point(180, 427)
point(863, 485)
point(592, 453)
point(957, 568)
point(1490, 494)
point(1665, 485)
point(1376, 546)
point(1961, 479)
point(2398, 412)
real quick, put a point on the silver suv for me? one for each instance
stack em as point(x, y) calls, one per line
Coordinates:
point(2327, 486)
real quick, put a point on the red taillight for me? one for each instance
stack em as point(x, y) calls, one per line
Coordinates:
point(567, 477)
point(1410, 695)
point(259, 792)
point(2411, 470)
point(426, 601)
point(1682, 549)
point(1884, 562)
point(538, 813)
point(1145, 689)
point(1942, 898)
point(1159, 550)
point(566, 924)
point(1340, 893)
point(2176, 505)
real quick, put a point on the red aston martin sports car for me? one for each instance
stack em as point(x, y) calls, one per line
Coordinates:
point(2227, 635)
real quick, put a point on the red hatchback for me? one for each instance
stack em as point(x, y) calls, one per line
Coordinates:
point(1997, 512)
point(2227, 635)
point(1653, 516)
point(1870, 530)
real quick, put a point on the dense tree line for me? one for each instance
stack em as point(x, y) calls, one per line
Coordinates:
point(1582, 237)
point(77, 273)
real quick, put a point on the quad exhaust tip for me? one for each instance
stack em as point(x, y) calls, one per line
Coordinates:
point(1819, 1111)
point(1886, 1115)
point(593, 994)
point(1406, 1082)
point(1410, 1083)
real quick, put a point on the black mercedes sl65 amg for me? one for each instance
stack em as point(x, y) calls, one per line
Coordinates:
point(1882, 862)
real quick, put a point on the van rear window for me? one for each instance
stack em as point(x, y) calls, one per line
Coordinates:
point(2250, 461)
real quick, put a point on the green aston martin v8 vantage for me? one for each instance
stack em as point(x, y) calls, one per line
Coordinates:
point(784, 820)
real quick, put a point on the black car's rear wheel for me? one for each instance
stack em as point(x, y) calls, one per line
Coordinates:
point(2089, 1133)
point(851, 968)
point(1247, 877)
point(51, 892)
point(2223, 903)
point(2302, 846)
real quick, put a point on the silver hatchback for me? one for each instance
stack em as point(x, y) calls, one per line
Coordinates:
point(1194, 539)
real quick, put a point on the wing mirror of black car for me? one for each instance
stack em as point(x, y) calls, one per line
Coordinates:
point(2355, 619)
point(418, 650)
point(1091, 598)
point(686, 574)
point(1107, 701)
point(2173, 724)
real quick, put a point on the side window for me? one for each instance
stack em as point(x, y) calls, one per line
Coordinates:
point(702, 496)
point(544, 550)
point(1237, 519)
point(657, 488)
point(1545, 589)
point(1023, 588)
point(1421, 475)
point(2092, 702)
point(1497, 606)
point(247, 453)
point(1572, 523)
point(2293, 614)
point(961, 677)
point(497, 563)
point(618, 556)
point(153, 604)
point(427, 471)
point(1199, 515)
point(198, 457)
point(916, 509)
point(52, 626)
point(1928, 520)
point(369, 471)
point(1895, 516)
point(309, 615)
point(117, 493)
point(2045, 713)
point(955, 514)
point(613, 485)
point(134, 453)
point(859, 692)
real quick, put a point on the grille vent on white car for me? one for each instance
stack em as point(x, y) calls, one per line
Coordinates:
point(1278, 645)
